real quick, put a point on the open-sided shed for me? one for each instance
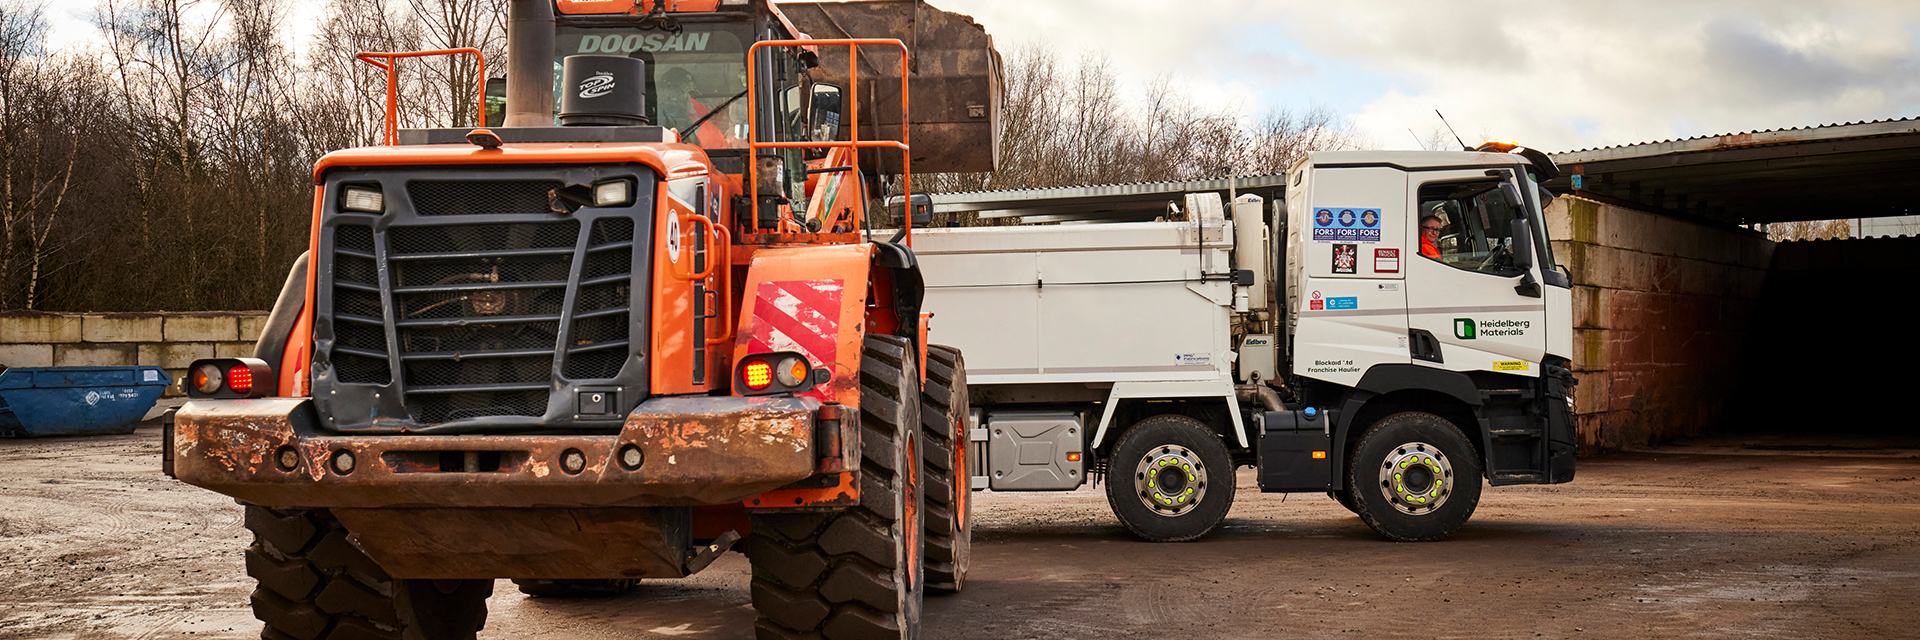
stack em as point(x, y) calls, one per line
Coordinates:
point(1687, 321)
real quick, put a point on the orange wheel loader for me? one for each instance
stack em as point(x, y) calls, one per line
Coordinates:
point(643, 323)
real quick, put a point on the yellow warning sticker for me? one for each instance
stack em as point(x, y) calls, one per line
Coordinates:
point(1509, 365)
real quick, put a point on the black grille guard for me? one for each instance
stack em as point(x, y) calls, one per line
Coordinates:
point(468, 306)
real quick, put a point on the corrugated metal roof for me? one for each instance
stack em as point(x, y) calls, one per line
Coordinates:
point(1836, 131)
point(959, 201)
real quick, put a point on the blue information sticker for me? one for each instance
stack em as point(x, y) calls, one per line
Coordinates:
point(1348, 302)
point(1346, 224)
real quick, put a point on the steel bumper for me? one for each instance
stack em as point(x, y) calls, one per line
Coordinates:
point(701, 450)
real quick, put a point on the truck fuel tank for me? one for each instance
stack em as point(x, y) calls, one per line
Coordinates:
point(1035, 450)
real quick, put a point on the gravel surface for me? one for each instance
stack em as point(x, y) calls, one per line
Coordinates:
point(1762, 537)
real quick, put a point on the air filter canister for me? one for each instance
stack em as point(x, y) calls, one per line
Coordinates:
point(603, 91)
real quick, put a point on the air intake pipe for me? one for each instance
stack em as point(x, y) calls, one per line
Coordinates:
point(530, 34)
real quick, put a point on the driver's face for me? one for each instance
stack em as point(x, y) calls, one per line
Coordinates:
point(1430, 230)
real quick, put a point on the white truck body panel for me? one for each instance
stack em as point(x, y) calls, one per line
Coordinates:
point(1144, 307)
point(1082, 303)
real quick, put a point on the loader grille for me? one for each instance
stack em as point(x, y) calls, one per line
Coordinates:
point(472, 197)
point(488, 314)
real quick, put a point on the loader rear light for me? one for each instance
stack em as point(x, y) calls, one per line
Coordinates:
point(240, 380)
point(757, 374)
point(207, 378)
point(793, 371)
point(779, 372)
point(363, 199)
point(229, 378)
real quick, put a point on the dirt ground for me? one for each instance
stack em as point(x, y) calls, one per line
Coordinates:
point(1728, 537)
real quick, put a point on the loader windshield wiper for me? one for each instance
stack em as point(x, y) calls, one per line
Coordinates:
point(709, 115)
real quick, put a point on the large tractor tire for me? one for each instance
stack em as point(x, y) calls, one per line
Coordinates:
point(316, 582)
point(1414, 477)
point(943, 422)
point(854, 574)
point(1171, 479)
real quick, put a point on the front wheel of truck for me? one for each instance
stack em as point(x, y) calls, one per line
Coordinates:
point(1170, 479)
point(315, 582)
point(854, 574)
point(1414, 477)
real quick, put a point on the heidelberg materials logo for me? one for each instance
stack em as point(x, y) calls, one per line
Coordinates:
point(1468, 329)
point(1464, 329)
point(599, 85)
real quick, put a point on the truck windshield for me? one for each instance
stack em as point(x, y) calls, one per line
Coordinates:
point(698, 73)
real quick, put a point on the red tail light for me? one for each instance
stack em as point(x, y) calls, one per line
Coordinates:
point(757, 374)
point(240, 379)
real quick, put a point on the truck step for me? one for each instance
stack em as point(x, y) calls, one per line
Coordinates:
point(1518, 477)
point(1515, 433)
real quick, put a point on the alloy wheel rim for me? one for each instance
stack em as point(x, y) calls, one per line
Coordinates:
point(1170, 480)
point(1416, 478)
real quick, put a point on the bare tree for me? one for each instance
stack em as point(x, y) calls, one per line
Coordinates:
point(1809, 230)
point(1072, 126)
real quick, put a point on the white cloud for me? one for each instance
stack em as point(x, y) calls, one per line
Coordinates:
point(1566, 75)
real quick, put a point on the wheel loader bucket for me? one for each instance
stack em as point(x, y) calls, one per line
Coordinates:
point(956, 75)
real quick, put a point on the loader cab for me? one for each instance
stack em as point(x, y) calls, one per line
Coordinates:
point(696, 80)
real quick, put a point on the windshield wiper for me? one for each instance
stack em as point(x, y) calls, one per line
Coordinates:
point(709, 115)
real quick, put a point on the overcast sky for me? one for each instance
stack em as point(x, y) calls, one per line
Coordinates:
point(1550, 74)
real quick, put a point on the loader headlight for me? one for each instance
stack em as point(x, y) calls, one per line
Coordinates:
point(363, 199)
point(613, 193)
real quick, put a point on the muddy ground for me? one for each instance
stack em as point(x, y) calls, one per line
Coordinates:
point(1730, 537)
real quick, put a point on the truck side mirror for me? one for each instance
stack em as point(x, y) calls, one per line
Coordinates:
point(1523, 244)
point(823, 114)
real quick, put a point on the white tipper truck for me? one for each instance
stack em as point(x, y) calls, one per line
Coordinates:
point(1389, 328)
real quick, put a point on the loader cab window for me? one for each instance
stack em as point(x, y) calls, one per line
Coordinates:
point(696, 79)
point(1475, 225)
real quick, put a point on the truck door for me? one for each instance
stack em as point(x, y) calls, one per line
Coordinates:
point(1469, 307)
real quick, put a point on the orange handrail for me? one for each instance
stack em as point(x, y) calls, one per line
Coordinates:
point(725, 298)
point(853, 144)
point(392, 129)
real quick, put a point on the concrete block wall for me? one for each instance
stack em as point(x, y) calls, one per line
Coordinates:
point(168, 340)
point(1662, 308)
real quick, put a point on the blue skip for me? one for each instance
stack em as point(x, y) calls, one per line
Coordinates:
point(75, 401)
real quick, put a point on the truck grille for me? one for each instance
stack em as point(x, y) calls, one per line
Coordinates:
point(474, 318)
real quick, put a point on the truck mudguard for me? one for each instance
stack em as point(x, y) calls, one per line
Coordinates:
point(1387, 378)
